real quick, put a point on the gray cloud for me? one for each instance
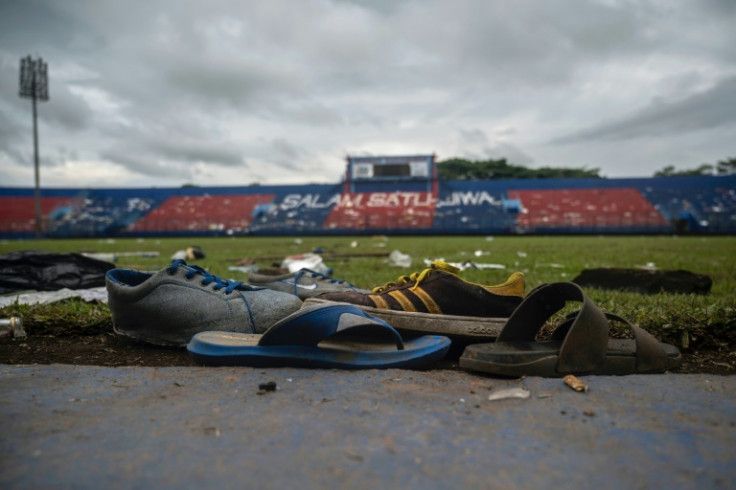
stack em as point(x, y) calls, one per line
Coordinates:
point(699, 112)
point(163, 90)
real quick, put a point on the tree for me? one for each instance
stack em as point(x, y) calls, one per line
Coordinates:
point(462, 169)
point(726, 167)
point(670, 171)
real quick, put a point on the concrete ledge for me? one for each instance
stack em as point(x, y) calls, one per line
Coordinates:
point(92, 427)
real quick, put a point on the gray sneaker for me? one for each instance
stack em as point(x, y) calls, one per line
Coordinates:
point(304, 283)
point(168, 307)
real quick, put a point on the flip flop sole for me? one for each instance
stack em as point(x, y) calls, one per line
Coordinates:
point(234, 349)
point(464, 328)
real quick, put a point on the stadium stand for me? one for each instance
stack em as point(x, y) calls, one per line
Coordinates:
point(471, 207)
point(383, 211)
point(694, 204)
point(295, 209)
point(206, 213)
point(100, 213)
point(701, 204)
point(18, 213)
point(587, 211)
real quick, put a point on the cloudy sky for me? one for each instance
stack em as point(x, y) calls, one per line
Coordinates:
point(232, 92)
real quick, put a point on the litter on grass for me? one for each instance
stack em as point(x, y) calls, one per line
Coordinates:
point(398, 259)
point(191, 253)
point(468, 264)
point(243, 268)
point(30, 297)
point(12, 327)
point(311, 261)
point(113, 257)
point(105, 257)
point(516, 392)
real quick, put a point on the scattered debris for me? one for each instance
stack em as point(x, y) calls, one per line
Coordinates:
point(245, 265)
point(648, 266)
point(476, 265)
point(191, 253)
point(103, 256)
point(243, 268)
point(575, 383)
point(91, 295)
point(398, 259)
point(311, 261)
point(516, 392)
point(264, 388)
point(212, 431)
point(12, 327)
point(468, 264)
point(113, 257)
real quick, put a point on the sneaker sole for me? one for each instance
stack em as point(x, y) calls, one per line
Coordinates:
point(466, 328)
point(161, 339)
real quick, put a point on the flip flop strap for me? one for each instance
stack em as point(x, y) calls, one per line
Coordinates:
point(310, 326)
point(584, 345)
point(649, 355)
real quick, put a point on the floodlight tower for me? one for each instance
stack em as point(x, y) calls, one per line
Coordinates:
point(34, 83)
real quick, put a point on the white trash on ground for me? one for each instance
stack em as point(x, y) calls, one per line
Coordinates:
point(516, 392)
point(468, 264)
point(398, 259)
point(45, 297)
point(311, 261)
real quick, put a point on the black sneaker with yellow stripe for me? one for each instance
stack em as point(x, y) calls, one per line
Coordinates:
point(438, 301)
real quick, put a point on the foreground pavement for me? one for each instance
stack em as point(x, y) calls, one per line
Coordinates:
point(94, 427)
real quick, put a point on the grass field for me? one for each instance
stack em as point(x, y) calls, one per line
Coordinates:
point(687, 320)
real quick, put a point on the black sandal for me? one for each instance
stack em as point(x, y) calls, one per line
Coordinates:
point(579, 345)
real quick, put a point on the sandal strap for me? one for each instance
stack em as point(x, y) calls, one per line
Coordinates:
point(530, 316)
point(310, 326)
point(584, 345)
point(650, 356)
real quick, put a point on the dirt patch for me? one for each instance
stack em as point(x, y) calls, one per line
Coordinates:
point(105, 349)
point(108, 349)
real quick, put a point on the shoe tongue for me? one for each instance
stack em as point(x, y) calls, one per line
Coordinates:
point(440, 265)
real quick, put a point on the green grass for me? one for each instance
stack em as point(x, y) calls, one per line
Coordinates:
point(687, 320)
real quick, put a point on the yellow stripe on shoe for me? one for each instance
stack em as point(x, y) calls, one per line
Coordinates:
point(405, 303)
point(379, 302)
point(427, 300)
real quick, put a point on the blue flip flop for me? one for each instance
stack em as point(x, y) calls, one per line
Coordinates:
point(325, 336)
